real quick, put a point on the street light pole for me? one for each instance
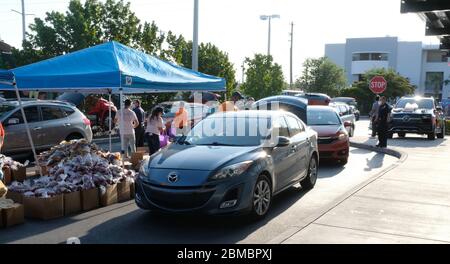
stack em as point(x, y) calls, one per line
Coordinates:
point(266, 17)
point(291, 51)
point(195, 38)
point(23, 14)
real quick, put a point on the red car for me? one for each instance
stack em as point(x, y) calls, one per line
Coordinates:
point(333, 138)
point(316, 98)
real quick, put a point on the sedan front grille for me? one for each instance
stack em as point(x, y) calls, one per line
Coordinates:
point(325, 140)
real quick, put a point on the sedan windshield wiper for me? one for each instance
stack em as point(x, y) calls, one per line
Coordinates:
point(218, 144)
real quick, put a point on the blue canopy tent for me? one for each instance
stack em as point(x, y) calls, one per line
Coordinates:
point(110, 68)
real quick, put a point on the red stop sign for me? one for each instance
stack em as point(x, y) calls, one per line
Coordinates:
point(378, 84)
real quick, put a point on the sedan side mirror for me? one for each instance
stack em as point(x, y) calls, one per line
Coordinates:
point(13, 121)
point(347, 124)
point(283, 142)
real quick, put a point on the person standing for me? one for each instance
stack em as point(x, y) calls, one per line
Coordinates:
point(384, 112)
point(180, 122)
point(229, 106)
point(155, 126)
point(127, 126)
point(374, 115)
point(139, 131)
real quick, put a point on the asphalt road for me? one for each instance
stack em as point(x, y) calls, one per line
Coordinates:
point(125, 223)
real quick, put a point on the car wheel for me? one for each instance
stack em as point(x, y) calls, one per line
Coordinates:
point(310, 180)
point(402, 135)
point(262, 197)
point(432, 136)
point(352, 131)
point(73, 137)
point(343, 162)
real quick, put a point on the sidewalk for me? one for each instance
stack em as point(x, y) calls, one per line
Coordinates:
point(407, 204)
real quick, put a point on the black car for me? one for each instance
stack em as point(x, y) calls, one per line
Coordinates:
point(417, 115)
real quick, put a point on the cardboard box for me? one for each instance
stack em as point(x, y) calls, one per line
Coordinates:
point(142, 149)
point(19, 174)
point(44, 169)
point(132, 190)
point(7, 178)
point(72, 203)
point(136, 158)
point(110, 196)
point(12, 216)
point(15, 196)
point(90, 199)
point(3, 189)
point(123, 191)
point(44, 208)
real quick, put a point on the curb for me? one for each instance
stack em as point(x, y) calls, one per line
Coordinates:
point(324, 210)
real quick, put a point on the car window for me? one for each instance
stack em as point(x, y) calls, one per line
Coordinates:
point(31, 113)
point(294, 127)
point(67, 110)
point(52, 113)
point(301, 125)
point(300, 113)
point(280, 127)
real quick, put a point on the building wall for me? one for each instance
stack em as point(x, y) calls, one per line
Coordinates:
point(407, 58)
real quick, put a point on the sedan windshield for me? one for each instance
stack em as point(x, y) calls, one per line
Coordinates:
point(5, 109)
point(229, 131)
point(415, 103)
point(319, 117)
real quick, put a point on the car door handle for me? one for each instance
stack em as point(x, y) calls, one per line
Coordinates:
point(37, 128)
point(67, 124)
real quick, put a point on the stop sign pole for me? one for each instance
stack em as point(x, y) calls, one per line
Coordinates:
point(378, 84)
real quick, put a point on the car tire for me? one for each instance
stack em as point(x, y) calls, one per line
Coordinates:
point(311, 178)
point(432, 136)
point(343, 162)
point(402, 135)
point(352, 131)
point(261, 197)
point(73, 137)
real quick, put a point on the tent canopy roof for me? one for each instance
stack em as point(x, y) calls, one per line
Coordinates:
point(110, 67)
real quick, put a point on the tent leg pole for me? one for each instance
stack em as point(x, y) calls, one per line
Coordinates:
point(110, 125)
point(27, 127)
point(122, 143)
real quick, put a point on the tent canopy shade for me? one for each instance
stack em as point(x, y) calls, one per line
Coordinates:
point(111, 67)
point(6, 77)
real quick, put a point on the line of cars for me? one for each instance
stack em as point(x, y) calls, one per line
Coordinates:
point(235, 162)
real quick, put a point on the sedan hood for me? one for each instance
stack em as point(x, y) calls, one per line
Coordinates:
point(204, 158)
point(326, 131)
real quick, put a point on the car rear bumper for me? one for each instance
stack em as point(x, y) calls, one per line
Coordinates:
point(336, 150)
point(411, 128)
point(202, 200)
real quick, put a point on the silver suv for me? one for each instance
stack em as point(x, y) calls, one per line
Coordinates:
point(50, 123)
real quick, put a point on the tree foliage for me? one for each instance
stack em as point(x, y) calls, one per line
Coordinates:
point(264, 77)
point(93, 22)
point(397, 86)
point(322, 76)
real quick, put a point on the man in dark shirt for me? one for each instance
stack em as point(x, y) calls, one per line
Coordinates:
point(384, 112)
point(139, 130)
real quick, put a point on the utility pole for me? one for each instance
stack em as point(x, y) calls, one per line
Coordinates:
point(23, 19)
point(269, 17)
point(195, 38)
point(291, 51)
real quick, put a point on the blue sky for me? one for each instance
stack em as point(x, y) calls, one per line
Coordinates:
point(235, 27)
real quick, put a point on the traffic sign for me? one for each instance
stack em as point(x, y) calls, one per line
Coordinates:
point(378, 84)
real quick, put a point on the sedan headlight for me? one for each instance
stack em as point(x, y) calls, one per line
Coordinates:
point(342, 136)
point(143, 170)
point(232, 171)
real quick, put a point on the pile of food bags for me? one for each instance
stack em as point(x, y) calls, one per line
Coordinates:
point(75, 165)
point(10, 163)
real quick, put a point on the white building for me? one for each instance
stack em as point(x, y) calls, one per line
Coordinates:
point(426, 66)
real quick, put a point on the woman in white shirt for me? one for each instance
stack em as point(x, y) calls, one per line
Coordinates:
point(155, 127)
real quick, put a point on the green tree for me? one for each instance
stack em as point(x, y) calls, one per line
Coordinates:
point(397, 86)
point(322, 76)
point(264, 77)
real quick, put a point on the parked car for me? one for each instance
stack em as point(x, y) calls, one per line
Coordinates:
point(332, 142)
point(50, 123)
point(355, 111)
point(417, 115)
point(333, 138)
point(347, 100)
point(291, 92)
point(231, 162)
point(345, 113)
point(315, 98)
